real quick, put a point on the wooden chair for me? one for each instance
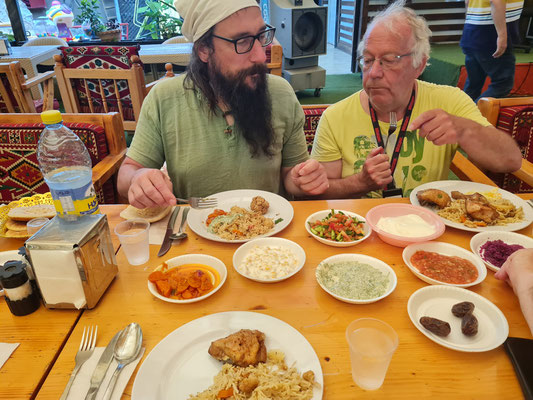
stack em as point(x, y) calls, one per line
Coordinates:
point(274, 54)
point(515, 117)
point(15, 90)
point(100, 80)
point(103, 134)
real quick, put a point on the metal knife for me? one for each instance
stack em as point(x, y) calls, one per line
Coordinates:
point(165, 246)
point(101, 368)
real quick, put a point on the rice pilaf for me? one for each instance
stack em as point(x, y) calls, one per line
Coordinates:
point(240, 223)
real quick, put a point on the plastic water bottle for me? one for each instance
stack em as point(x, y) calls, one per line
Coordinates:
point(66, 167)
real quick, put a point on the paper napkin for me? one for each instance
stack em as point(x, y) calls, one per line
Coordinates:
point(158, 229)
point(5, 351)
point(82, 382)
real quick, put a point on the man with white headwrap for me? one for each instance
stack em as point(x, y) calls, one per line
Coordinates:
point(226, 123)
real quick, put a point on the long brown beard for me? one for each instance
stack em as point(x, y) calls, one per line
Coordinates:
point(251, 107)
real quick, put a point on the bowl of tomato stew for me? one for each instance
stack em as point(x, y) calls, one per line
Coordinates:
point(187, 279)
point(441, 263)
point(338, 228)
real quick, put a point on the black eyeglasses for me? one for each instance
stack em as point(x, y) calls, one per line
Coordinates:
point(246, 43)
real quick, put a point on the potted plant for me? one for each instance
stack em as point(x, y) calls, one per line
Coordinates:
point(112, 32)
point(90, 18)
point(161, 19)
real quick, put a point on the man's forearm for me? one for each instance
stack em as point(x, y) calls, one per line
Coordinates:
point(350, 187)
point(498, 17)
point(125, 174)
point(525, 297)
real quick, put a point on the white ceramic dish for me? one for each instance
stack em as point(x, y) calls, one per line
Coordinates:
point(192, 259)
point(179, 365)
point(481, 238)
point(374, 262)
point(8, 256)
point(323, 214)
point(437, 302)
point(446, 249)
point(244, 249)
point(279, 208)
point(468, 187)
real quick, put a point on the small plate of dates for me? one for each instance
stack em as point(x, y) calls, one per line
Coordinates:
point(457, 318)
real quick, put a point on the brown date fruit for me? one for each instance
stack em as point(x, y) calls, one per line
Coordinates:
point(461, 309)
point(469, 325)
point(438, 327)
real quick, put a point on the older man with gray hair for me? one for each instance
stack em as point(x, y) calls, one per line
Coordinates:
point(225, 124)
point(399, 132)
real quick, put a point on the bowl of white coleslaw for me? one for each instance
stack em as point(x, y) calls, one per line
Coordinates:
point(269, 259)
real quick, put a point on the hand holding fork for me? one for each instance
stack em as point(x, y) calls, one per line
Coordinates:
point(88, 342)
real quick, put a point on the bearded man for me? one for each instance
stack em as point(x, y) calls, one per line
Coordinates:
point(226, 123)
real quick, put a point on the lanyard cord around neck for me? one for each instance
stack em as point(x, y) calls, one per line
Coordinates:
point(401, 134)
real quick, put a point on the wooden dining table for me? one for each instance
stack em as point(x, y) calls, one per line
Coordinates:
point(420, 368)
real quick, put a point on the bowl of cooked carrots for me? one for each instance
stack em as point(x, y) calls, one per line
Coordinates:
point(187, 279)
point(338, 228)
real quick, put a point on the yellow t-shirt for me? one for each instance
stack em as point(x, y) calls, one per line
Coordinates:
point(345, 132)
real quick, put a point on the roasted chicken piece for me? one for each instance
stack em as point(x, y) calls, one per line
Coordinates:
point(259, 205)
point(478, 207)
point(434, 196)
point(243, 348)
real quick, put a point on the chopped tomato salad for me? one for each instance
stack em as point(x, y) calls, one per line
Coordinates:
point(338, 227)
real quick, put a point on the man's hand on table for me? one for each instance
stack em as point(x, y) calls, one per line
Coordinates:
point(376, 173)
point(150, 188)
point(310, 177)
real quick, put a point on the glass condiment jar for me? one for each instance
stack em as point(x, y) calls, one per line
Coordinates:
point(21, 298)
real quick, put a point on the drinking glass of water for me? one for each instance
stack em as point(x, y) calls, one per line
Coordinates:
point(372, 343)
point(133, 236)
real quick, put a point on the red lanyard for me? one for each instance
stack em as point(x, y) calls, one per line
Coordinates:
point(401, 134)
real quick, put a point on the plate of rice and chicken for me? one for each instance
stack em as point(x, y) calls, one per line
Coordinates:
point(241, 215)
point(473, 206)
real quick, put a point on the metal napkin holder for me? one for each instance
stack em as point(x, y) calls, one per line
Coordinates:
point(73, 262)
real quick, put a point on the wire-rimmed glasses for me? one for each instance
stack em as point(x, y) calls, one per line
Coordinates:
point(246, 43)
point(388, 61)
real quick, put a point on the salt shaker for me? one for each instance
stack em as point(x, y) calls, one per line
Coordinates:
point(20, 296)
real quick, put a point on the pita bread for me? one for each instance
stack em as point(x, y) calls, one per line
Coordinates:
point(150, 214)
point(16, 234)
point(16, 225)
point(31, 212)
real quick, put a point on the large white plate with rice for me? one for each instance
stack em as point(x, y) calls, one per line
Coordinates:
point(180, 366)
point(471, 187)
point(279, 208)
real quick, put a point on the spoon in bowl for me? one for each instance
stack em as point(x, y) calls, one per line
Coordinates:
point(126, 350)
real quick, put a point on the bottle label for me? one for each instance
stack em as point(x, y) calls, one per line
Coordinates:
point(75, 201)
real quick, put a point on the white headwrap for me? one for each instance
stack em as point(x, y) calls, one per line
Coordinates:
point(201, 15)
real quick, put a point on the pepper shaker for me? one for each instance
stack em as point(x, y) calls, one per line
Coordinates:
point(20, 296)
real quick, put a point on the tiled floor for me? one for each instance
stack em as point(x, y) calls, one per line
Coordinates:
point(335, 61)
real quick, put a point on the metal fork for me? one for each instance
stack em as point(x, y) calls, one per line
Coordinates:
point(530, 202)
point(88, 341)
point(393, 123)
point(199, 202)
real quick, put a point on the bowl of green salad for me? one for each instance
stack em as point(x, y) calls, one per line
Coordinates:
point(338, 228)
point(356, 278)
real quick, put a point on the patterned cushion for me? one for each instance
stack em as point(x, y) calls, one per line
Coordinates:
point(312, 116)
point(517, 122)
point(19, 169)
point(102, 57)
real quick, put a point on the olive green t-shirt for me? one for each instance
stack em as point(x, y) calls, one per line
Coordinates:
point(202, 158)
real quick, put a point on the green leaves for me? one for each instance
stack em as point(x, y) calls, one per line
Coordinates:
point(160, 19)
point(89, 12)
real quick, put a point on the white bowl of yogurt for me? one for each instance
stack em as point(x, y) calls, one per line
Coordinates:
point(269, 259)
point(403, 224)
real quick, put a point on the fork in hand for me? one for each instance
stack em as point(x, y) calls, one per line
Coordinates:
point(88, 341)
point(199, 202)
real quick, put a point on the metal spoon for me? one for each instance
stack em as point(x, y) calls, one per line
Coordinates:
point(126, 350)
point(181, 234)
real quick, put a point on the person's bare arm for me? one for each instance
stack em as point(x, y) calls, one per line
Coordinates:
point(518, 272)
point(486, 146)
point(497, 9)
point(144, 187)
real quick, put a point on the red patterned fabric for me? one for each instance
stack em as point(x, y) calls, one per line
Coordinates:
point(19, 169)
point(312, 116)
point(268, 53)
point(517, 122)
point(102, 57)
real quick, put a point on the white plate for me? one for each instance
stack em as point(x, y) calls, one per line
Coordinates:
point(180, 365)
point(192, 259)
point(446, 249)
point(437, 302)
point(481, 238)
point(8, 256)
point(279, 208)
point(374, 262)
point(467, 187)
point(243, 250)
point(320, 215)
